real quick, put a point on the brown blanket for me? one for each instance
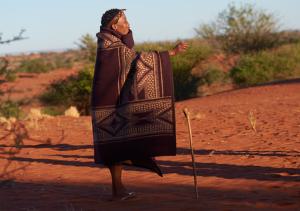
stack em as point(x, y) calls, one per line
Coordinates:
point(132, 101)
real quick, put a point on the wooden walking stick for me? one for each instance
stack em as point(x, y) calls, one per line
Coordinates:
point(186, 113)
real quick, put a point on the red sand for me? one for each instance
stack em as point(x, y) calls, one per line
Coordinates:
point(238, 168)
point(28, 86)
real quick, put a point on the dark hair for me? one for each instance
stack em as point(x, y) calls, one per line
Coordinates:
point(110, 15)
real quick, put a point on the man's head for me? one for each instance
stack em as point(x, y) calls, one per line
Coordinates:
point(116, 20)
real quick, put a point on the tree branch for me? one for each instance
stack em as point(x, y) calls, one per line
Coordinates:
point(15, 38)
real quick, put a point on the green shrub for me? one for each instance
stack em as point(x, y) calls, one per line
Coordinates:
point(53, 110)
point(8, 73)
point(242, 29)
point(154, 46)
point(266, 66)
point(213, 75)
point(10, 108)
point(185, 82)
point(44, 64)
point(88, 45)
point(59, 61)
point(11, 76)
point(75, 90)
point(39, 65)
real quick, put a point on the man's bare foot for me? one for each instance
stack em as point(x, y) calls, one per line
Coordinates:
point(123, 196)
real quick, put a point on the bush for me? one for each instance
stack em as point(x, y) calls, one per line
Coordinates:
point(9, 74)
point(39, 65)
point(185, 83)
point(88, 46)
point(289, 37)
point(242, 29)
point(75, 90)
point(53, 110)
point(213, 75)
point(9, 109)
point(59, 61)
point(154, 46)
point(266, 66)
point(44, 64)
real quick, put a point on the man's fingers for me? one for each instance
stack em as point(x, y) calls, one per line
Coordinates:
point(183, 45)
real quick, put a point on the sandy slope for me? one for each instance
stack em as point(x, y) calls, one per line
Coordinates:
point(238, 168)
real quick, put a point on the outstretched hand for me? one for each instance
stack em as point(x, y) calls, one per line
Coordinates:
point(179, 48)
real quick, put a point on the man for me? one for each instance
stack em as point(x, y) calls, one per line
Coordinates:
point(132, 102)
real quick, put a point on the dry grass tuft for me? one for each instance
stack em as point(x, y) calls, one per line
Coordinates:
point(72, 111)
point(252, 120)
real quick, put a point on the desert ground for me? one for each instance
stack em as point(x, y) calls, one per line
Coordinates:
point(246, 144)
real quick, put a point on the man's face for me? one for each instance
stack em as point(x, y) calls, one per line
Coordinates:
point(122, 26)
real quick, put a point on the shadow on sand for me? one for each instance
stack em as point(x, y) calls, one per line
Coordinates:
point(52, 196)
point(227, 171)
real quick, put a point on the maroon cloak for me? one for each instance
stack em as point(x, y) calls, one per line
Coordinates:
point(132, 102)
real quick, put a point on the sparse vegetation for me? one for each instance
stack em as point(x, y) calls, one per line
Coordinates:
point(9, 109)
point(154, 46)
point(53, 110)
point(44, 64)
point(39, 65)
point(9, 74)
point(242, 29)
point(75, 90)
point(289, 37)
point(59, 61)
point(185, 82)
point(266, 66)
point(213, 75)
point(5, 71)
point(88, 46)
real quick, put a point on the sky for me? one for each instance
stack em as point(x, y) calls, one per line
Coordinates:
point(58, 24)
